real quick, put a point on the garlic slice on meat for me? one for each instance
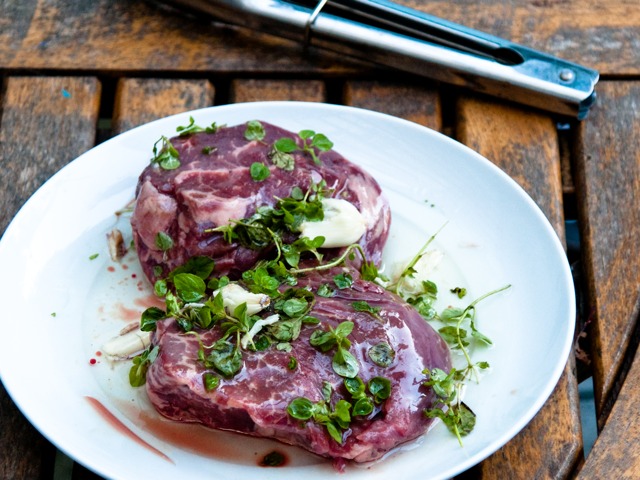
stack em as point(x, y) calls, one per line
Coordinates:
point(234, 295)
point(263, 322)
point(342, 225)
point(127, 344)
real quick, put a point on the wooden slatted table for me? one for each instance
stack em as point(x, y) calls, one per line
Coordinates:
point(76, 72)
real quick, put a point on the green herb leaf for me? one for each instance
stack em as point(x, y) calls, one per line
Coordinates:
point(321, 142)
point(363, 306)
point(141, 363)
point(286, 330)
point(369, 271)
point(225, 358)
point(282, 160)
point(285, 145)
point(345, 364)
point(342, 413)
point(189, 129)
point(325, 290)
point(199, 265)
point(362, 407)
point(344, 329)
point(149, 318)
point(382, 354)
point(160, 288)
point(293, 363)
point(254, 131)
point(304, 134)
point(210, 381)
point(461, 292)
point(380, 388)
point(213, 128)
point(163, 241)
point(259, 171)
point(301, 408)
point(167, 157)
point(189, 287)
point(343, 280)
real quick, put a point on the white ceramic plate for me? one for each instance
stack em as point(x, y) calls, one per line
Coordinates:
point(59, 306)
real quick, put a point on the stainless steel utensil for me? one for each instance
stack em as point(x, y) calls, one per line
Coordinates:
point(392, 35)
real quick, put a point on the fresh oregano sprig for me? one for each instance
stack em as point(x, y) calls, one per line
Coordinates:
point(459, 332)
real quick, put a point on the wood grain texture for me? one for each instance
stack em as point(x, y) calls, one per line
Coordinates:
point(46, 122)
point(550, 446)
point(254, 90)
point(412, 102)
point(124, 36)
point(608, 186)
point(140, 100)
point(133, 36)
point(524, 144)
point(601, 35)
point(615, 453)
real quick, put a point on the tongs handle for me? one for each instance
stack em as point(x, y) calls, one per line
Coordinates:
point(393, 35)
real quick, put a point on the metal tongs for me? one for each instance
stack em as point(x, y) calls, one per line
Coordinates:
point(395, 36)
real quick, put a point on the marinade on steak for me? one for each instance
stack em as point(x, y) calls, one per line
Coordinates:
point(213, 186)
point(254, 402)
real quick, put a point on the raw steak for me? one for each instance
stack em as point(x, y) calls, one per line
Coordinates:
point(213, 185)
point(254, 402)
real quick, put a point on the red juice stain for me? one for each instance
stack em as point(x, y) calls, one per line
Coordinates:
point(122, 428)
point(128, 314)
point(111, 269)
point(98, 353)
point(125, 266)
point(93, 361)
point(133, 275)
point(195, 438)
point(150, 301)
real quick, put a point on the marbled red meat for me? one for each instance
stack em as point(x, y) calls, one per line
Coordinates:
point(254, 402)
point(213, 186)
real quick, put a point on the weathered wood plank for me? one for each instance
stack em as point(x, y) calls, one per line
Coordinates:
point(412, 102)
point(141, 100)
point(550, 446)
point(109, 35)
point(608, 187)
point(615, 453)
point(601, 35)
point(133, 36)
point(524, 144)
point(46, 122)
point(252, 90)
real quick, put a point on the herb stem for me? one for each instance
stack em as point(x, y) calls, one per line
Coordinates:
point(409, 268)
point(333, 263)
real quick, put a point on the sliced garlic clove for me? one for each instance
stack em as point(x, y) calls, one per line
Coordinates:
point(115, 242)
point(253, 331)
point(342, 225)
point(127, 345)
point(234, 295)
